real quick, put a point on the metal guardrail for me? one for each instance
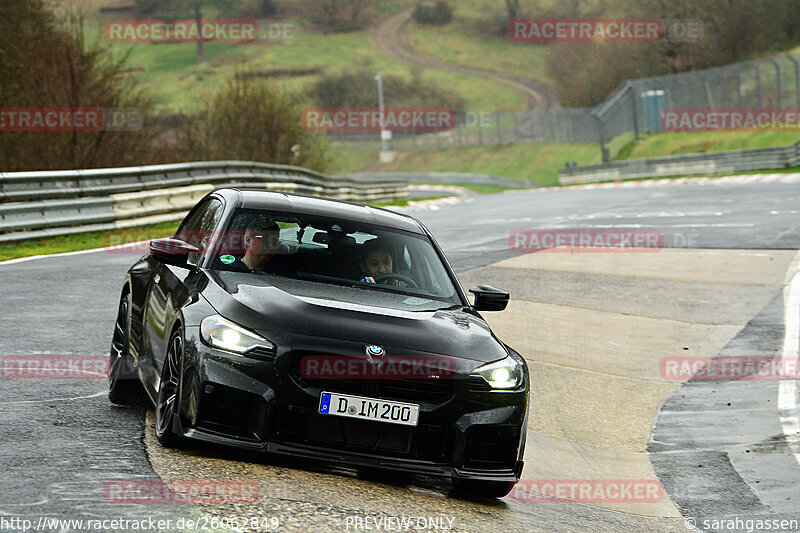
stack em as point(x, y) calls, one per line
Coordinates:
point(44, 204)
point(685, 165)
point(446, 177)
point(26, 186)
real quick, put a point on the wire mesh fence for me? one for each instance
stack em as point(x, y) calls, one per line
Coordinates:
point(636, 107)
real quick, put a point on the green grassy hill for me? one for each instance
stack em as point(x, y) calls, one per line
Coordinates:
point(180, 80)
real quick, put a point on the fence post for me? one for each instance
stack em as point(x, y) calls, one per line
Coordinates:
point(709, 96)
point(724, 87)
point(758, 87)
point(738, 88)
point(758, 82)
point(634, 91)
point(777, 80)
point(601, 138)
point(796, 79)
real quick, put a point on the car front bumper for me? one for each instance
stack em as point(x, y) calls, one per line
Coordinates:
point(263, 405)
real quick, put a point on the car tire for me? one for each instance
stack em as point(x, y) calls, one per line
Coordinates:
point(167, 402)
point(482, 489)
point(124, 387)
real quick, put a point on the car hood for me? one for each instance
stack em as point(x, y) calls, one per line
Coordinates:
point(290, 320)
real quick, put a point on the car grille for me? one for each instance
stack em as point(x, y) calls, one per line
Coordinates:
point(259, 352)
point(231, 412)
point(490, 447)
point(478, 384)
point(359, 435)
point(404, 390)
point(296, 425)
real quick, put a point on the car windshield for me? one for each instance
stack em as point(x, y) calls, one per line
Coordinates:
point(337, 259)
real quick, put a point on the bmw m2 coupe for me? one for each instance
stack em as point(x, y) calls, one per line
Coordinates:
point(324, 330)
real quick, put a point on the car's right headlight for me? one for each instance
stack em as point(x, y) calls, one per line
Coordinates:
point(221, 333)
point(505, 374)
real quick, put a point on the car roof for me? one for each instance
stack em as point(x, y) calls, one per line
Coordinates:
point(314, 205)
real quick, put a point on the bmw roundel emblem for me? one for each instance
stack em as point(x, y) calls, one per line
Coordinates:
point(375, 350)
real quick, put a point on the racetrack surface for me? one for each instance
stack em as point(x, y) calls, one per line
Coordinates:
point(592, 326)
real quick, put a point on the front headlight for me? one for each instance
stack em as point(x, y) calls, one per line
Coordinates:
point(221, 333)
point(505, 374)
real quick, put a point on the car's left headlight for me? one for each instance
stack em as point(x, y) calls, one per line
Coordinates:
point(505, 374)
point(221, 333)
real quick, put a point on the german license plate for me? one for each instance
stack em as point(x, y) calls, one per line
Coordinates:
point(331, 403)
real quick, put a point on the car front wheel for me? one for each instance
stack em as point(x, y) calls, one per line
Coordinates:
point(167, 403)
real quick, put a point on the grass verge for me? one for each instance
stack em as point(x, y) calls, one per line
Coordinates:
point(83, 241)
point(540, 162)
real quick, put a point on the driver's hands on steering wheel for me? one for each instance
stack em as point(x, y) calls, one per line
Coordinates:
point(398, 278)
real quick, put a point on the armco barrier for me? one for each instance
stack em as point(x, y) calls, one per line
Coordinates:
point(43, 204)
point(685, 165)
point(447, 177)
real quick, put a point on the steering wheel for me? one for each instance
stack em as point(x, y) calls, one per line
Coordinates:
point(399, 277)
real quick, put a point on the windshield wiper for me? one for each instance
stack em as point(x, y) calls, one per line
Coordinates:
point(454, 307)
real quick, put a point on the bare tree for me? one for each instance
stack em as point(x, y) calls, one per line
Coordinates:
point(513, 9)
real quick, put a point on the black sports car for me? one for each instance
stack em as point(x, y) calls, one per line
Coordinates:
point(321, 329)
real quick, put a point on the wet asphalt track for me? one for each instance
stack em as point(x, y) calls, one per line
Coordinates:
point(62, 440)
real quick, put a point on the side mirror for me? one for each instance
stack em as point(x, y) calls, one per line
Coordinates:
point(172, 251)
point(489, 299)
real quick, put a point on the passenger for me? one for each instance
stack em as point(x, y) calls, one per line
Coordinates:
point(376, 260)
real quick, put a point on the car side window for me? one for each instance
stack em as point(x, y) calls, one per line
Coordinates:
point(198, 228)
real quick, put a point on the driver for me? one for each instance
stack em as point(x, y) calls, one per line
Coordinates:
point(376, 260)
point(262, 250)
